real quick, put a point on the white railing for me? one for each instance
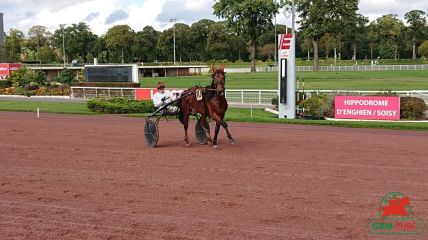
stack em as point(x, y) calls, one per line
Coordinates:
point(358, 68)
point(251, 97)
point(101, 92)
point(243, 96)
point(414, 93)
point(234, 96)
point(374, 68)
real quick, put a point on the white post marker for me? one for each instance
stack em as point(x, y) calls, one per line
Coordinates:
point(38, 113)
point(287, 72)
point(287, 77)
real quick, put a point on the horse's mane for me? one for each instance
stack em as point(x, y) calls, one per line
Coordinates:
point(210, 94)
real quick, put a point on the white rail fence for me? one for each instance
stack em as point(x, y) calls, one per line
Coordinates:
point(251, 97)
point(237, 97)
point(243, 96)
point(101, 92)
point(414, 93)
point(359, 68)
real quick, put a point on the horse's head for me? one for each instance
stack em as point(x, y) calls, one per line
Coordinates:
point(219, 79)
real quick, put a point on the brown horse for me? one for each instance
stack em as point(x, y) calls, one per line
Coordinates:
point(213, 104)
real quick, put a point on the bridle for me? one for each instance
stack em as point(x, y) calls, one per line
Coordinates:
point(218, 87)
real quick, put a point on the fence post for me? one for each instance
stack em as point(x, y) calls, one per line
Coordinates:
point(84, 93)
point(242, 96)
point(96, 92)
point(108, 91)
point(260, 97)
point(121, 92)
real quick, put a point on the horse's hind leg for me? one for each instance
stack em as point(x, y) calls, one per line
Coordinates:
point(206, 127)
point(226, 127)
point(186, 127)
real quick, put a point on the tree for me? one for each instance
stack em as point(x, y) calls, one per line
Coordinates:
point(145, 44)
point(357, 33)
point(417, 22)
point(24, 76)
point(268, 51)
point(165, 45)
point(182, 41)
point(38, 36)
point(251, 18)
point(13, 45)
point(373, 37)
point(306, 44)
point(65, 76)
point(423, 49)
point(388, 49)
point(389, 30)
point(329, 42)
point(237, 47)
point(198, 37)
point(100, 50)
point(218, 41)
point(119, 39)
point(46, 54)
point(79, 41)
point(268, 37)
point(319, 17)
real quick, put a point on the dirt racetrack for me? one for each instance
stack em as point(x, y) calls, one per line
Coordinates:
point(91, 177)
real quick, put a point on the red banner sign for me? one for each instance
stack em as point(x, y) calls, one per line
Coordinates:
point(7, 68)
point(366, 107)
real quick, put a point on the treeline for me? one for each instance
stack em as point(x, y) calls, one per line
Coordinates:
point(202, 41)
point(349, 35)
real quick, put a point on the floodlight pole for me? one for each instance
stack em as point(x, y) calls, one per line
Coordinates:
point(276, 45)
point(174, 20)
point(293, 16)
point(291, 78)
point(63, 43)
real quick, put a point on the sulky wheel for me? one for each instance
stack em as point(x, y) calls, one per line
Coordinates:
point(151, 133)
point(201, 137)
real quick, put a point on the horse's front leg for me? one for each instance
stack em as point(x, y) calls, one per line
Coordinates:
point(217, 129)
point(226, 127)
point(219, 121)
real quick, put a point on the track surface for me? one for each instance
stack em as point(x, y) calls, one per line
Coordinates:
point(91, 177)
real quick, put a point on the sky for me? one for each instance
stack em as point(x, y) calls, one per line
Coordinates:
point(101, 15)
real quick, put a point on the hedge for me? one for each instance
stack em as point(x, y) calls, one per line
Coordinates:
point(106, 84)
point(320, 106)
point(5, 83)
point(412, 108)
point(120, 105)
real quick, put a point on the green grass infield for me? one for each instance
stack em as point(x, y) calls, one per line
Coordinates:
point(233, 115)
point(373, 81)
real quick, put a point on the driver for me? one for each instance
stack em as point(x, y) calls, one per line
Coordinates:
point(163, 97)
